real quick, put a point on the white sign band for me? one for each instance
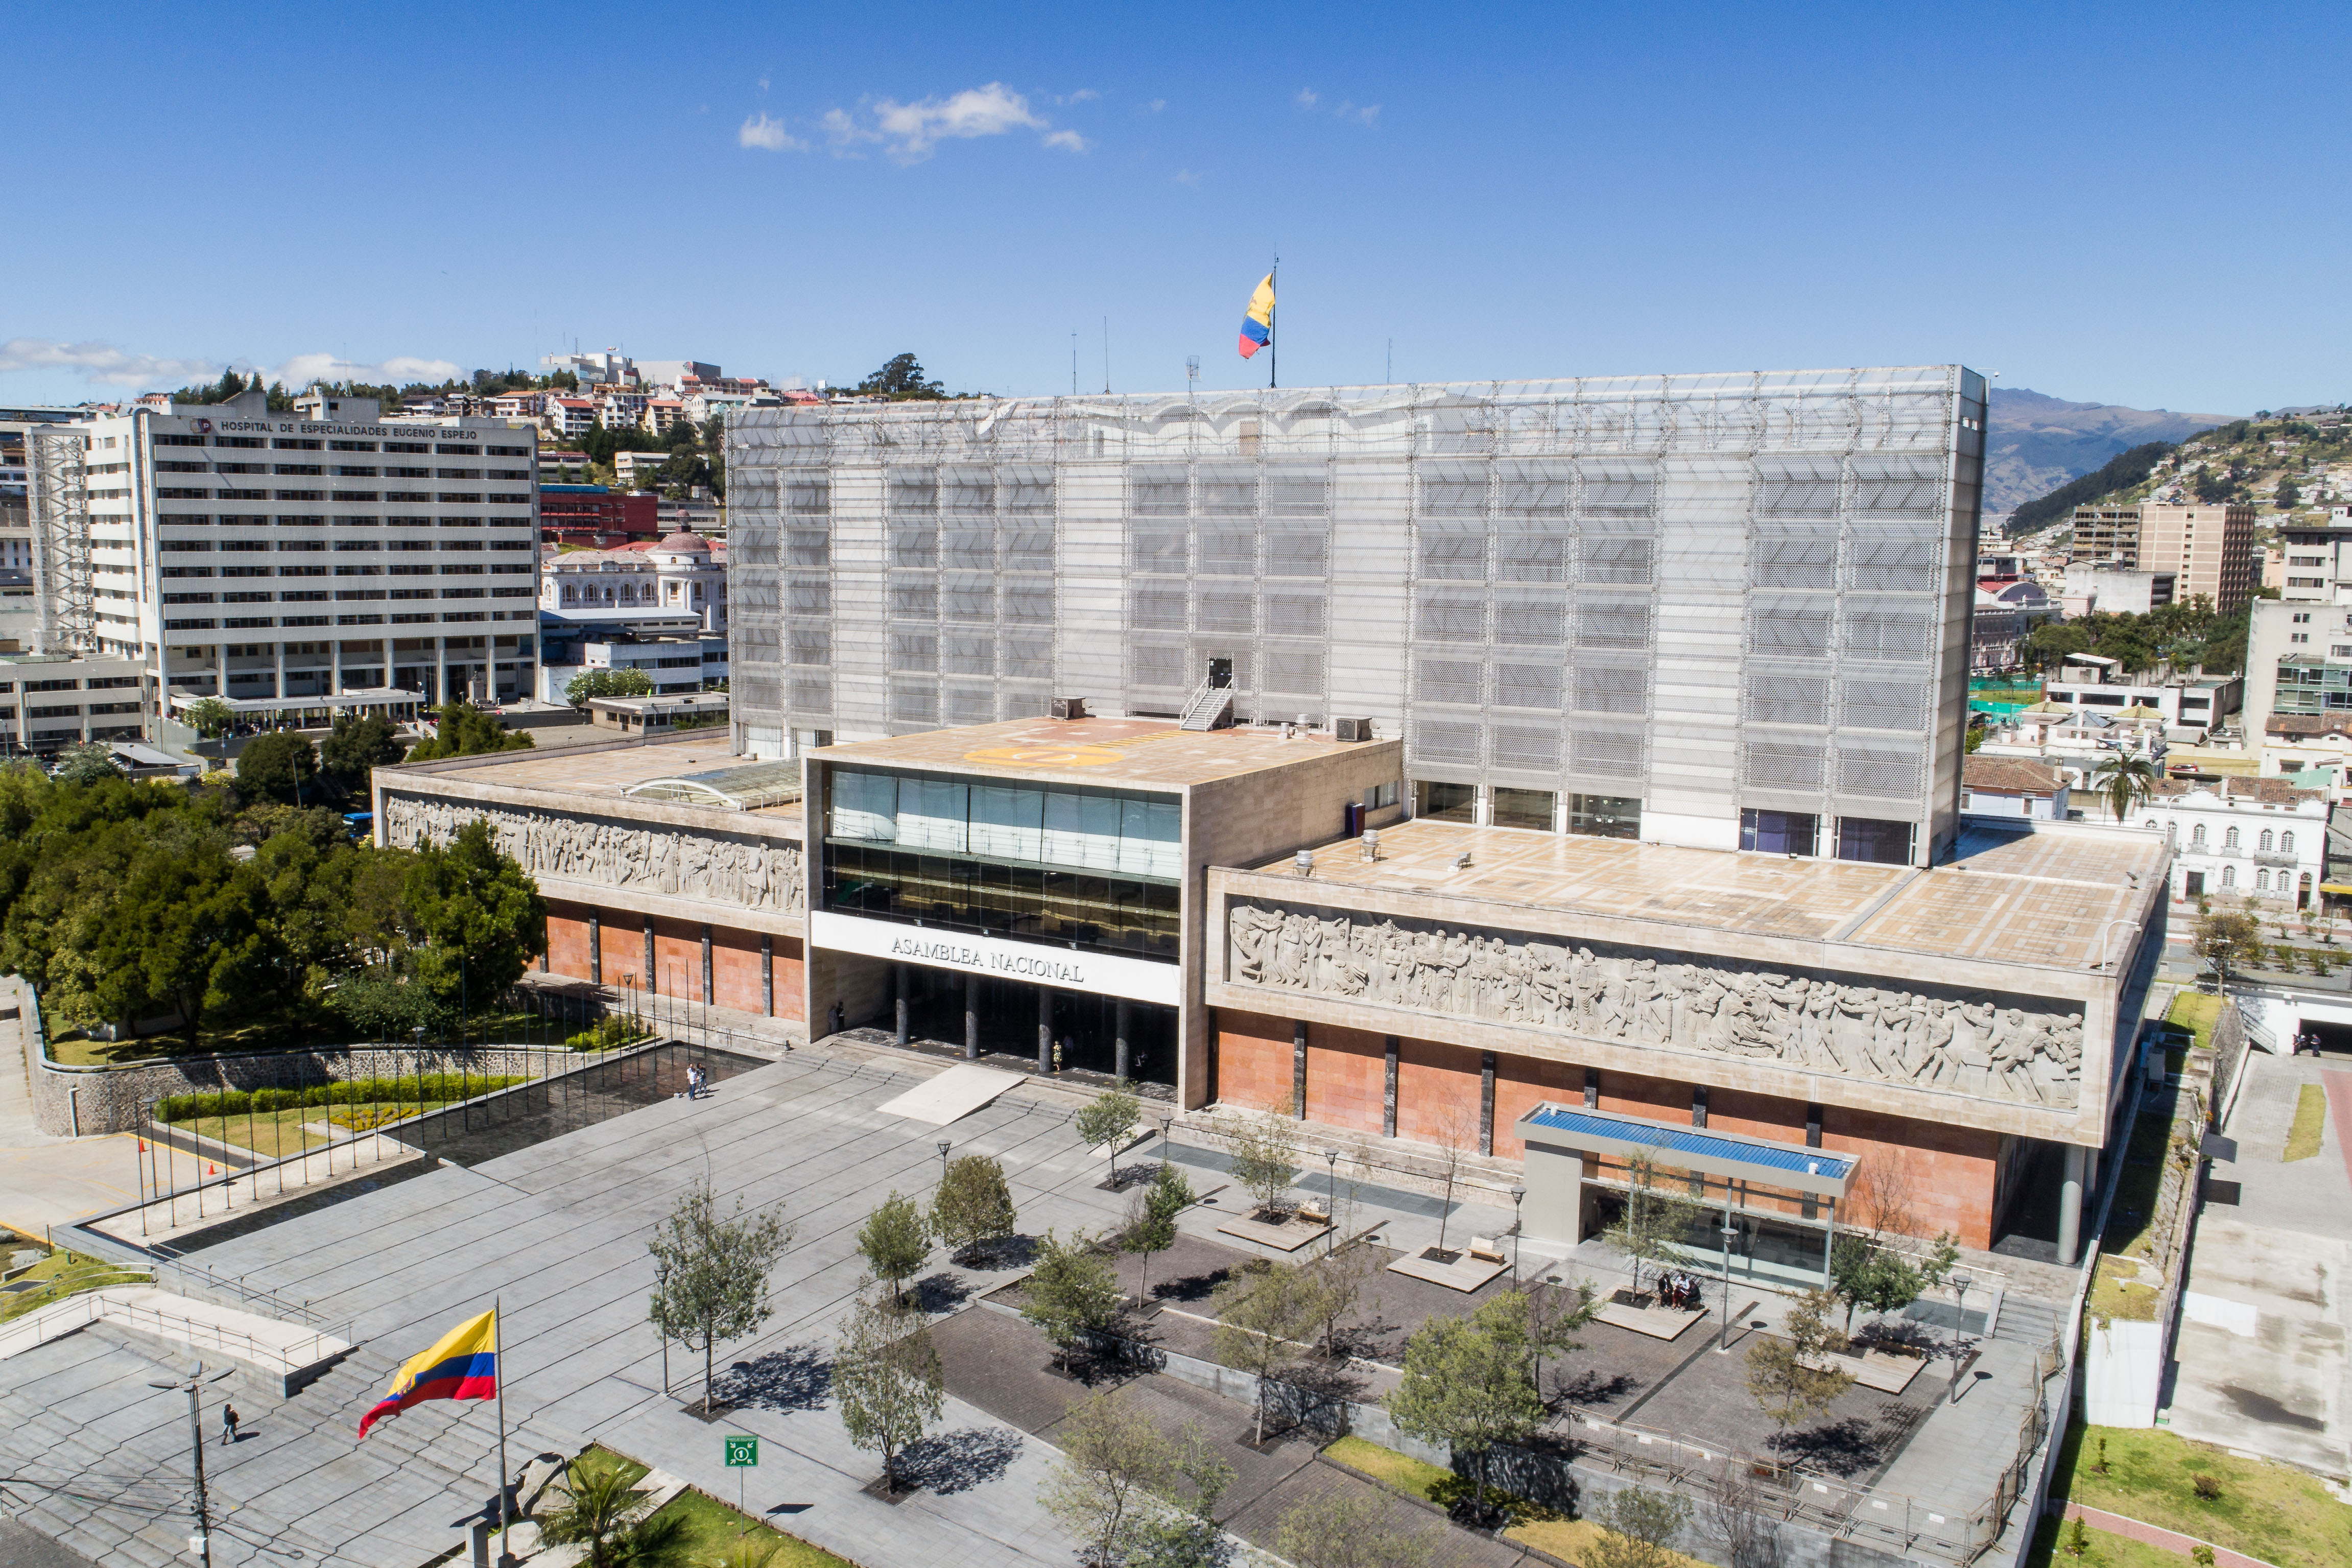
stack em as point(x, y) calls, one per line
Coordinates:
point(1063, 968)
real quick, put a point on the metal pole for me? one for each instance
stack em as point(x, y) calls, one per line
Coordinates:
point(1723, 1334)
point(499, 1360)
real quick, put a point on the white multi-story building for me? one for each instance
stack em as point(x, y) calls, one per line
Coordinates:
point(277, 559)
point(676, 587)
point(568, 416)
point(2258, 837)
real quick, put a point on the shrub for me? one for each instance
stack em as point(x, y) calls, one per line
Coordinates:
point(2208, 1488)
point(609, 1033)
point(409, 1089)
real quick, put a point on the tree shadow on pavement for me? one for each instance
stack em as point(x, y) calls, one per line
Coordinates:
point(949, 1462)
point(797, 1377)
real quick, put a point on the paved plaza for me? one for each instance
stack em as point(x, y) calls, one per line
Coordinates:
point(556, 1234)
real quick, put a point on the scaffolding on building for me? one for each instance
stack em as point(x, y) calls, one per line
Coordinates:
point(1483, 568)
point(64, 593)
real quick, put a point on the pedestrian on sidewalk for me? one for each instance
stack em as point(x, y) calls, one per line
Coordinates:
point(228, 1424)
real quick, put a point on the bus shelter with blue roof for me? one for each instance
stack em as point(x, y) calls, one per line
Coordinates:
point(1771, 1208)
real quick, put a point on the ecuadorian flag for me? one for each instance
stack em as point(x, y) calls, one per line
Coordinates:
point(462, 1364)
point(1258, 321)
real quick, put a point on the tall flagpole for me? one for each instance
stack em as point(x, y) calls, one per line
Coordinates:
point(498, 1362)
point(1273, 338)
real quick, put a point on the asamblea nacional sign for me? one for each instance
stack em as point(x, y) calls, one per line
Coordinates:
point(1034, 963)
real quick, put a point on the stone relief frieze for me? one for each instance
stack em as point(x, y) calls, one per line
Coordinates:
point(750, 873)
point(2020, 1049)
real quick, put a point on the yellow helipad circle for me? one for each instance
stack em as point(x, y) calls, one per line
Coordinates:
point(1048, 756)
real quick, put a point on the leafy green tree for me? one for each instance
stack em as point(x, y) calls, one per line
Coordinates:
point(358, 744)
point(381, 1008)
point(188, 929)
point(1349, 1530)
point(1114, 1463)
point(894, 1241)
point(478, 912)
point(2225, 940)
point(1105, 1122)
point(1071, 1293)
point(1554, 1313)
point(1262, 1150)
point(973, 1205)
point(1151, 1220)
point(590, 684)
point(210, 717)
point(2289, 495)
point(1651, 1226)
point(465, 731)
point(711, 1272)
point(1469, 1382)
point(1865, 1273)
point(901, 378)
point(87, 764)
point(278, 764)
point(887, 1377)
point(1790, 1374)
point(1637, 1526)
point(1263, 1309)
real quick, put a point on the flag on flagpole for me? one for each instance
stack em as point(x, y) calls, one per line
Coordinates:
point(1258, 321)
point(462, 1364)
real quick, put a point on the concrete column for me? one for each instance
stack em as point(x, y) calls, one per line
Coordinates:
point(1298, 1068)
point(440, 669)
point(899, 979)
point(595, 948)
point(1592, 1088)
point(1486, 1102)
point(1388, 1087)
point(652, 974)
point(2070, 1206)
point(1120, 1053)
point(277, 650)
point(1698, 1105)
point(1044, 1029)
point(707, 994)
point(971, 1017)
point(768, 974)
point(1811, 1205)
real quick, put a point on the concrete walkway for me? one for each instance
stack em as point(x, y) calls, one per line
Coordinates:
point(45, 1180)
point(2260, 1364)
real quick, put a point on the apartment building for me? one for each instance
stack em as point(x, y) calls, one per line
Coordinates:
point(2209, 549)
point(281, 560)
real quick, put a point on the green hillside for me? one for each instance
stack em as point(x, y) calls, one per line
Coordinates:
point(2290, 467)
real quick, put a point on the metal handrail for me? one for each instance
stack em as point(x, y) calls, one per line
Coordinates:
point(97, 1308)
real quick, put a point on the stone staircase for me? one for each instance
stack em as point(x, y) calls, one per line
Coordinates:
point(2027, 1320)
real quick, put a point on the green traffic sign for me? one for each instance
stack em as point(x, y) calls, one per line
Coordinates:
point(743, 1451)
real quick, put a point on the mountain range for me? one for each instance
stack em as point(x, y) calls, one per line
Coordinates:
point(2039, 442)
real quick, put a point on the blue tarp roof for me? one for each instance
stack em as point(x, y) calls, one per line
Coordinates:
point(1694, 1140)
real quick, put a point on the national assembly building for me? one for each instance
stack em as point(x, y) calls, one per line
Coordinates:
point(1536, 768)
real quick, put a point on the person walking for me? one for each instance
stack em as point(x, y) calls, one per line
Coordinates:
point(228, 1424)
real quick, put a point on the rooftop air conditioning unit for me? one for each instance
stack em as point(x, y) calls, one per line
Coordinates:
point(1352, 729)
point(1070, 706)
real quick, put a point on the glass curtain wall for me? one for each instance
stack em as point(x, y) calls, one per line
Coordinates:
point(1095, 869)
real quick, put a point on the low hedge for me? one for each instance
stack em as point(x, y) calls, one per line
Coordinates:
point(428, 1085)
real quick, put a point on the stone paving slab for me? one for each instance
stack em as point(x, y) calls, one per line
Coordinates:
point(1464, 1272)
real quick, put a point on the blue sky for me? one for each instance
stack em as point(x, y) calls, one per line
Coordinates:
point(2134, 204)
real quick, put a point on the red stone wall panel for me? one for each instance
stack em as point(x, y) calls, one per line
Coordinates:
point(1347, 1072)
point(1252, 1059)
point(1437, 1093)
point(1522, 1083)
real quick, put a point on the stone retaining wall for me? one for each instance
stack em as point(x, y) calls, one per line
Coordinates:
point(70, 1101)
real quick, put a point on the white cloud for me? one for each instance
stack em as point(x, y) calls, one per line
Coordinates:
point(1083, 95)
point(1186, 177)
point(102, 364)
point(399, 370)
point(759, 130)
point(1364, 114)
point(1155, 106)
point(910, 131)
point(763, 82)
point(1307, 97)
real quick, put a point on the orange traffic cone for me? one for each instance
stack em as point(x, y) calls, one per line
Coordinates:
point(212, 1170)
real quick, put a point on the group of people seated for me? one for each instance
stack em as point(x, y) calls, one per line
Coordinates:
point(1681, 1290)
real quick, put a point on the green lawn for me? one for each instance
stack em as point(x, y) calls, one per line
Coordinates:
point(2310, 1123)
point(2270, 1512)
point(2105, 1550)
point(269, 1133)
point(2196, 1013)
point(712, 1528)
point(296, 1029)
point(64, 1273)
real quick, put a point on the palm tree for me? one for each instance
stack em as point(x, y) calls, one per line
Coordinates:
point(602, 1512)
point(2123, 780)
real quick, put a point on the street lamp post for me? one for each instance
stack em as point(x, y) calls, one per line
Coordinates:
point(661, 1288)
point(201, 1543)
point(1331, 1198)
point(1959, 1306)
point(1723, 1334)
point(944, 1147)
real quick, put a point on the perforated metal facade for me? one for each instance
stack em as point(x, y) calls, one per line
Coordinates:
point(1713, 593)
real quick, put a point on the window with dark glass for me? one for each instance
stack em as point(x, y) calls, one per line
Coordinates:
point(1523, 808)
point(1444, 802)
point(1779, 831)
point(1870, 838)
point(1605, 815)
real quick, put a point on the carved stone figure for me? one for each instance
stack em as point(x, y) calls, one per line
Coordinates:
point(745, 873)
point(1967, 1044)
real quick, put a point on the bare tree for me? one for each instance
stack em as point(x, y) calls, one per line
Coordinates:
point(1456, 1127)
point(1886, 1182)
point(1650, 1227)
point(1636, 1524)
point(1263, 1311)
point(1740, 1519)
point(1793, 1377)
point(1263, 1147)
point(1351, 1529)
